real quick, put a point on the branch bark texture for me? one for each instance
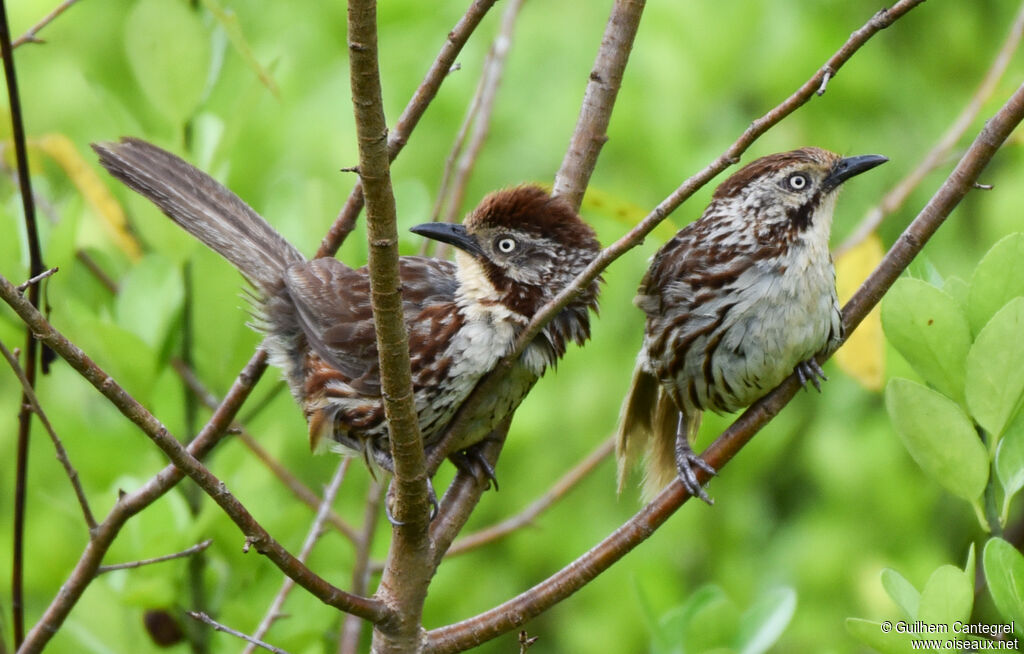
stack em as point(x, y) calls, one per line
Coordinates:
point(406, 575)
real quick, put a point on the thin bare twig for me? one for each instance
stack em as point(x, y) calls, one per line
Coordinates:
point(285, 476)
point(61, 453)
point(30, 35)
point(101, 275)
point(312, 536)
point(515, 612)
point(526, 517)
point(202, 617)
point(352, 627)
point(31, 349)
point(483, 102)
point(35, 280)
point(198, 547)
point(940, 152)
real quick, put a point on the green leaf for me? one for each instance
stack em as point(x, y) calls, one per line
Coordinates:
point(763, 623)
point(995, 369)
point(947, 597)
point(169, 51)
point(708, 619)
point(874, 635)
point(928, 327)
point(939, 436)
point(1010, 461)
point(1004, 572)
point(149, 299)
point(959, 290)
point(902, 592)
point(998, 278)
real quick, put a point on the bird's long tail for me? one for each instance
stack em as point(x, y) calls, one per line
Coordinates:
point(647, 428)
point(204, 208)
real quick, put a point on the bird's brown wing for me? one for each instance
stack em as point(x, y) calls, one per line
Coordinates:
point(332, 306)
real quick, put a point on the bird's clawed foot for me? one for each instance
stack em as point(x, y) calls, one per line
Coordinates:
point(431, 498)
point(472, 462)
point(686, 461)
point(810, 371)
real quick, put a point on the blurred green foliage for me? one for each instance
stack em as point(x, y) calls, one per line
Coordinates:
point(810, 513)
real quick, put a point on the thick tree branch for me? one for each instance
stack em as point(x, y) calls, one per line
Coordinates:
point(406, 577)
point(518, 610)
point(591, 131)
point(399, 134)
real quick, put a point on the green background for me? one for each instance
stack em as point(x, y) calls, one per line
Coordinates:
point(822, 500)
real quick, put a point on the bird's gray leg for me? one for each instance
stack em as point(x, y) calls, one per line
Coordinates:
point(686, 459)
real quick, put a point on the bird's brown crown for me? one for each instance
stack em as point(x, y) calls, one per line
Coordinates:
point(766, 166)
point(530, 209)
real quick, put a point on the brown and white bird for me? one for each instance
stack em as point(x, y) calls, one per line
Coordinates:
point(736, 302)
point(515, 252)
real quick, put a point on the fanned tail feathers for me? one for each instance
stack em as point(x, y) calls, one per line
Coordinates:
point(647, 427)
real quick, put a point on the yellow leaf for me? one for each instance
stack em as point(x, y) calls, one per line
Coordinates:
point(92, 188)
point(623, 211)
point(863, 355)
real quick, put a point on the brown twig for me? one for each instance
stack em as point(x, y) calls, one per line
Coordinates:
point(30, 35)
point(352, 627)
point(61, 453)
point(406, 577)
point(635, 236)
point(463, 494)
point(198, 547)
point(130, 504)
point(483, 105)
point(591, 131)
point(414, 110)
point(517, 611)
point(205, 619)
point(186, 461)
point(940, 152)
point(101, 275)
point(31, 349)
point(285, 476)
point(312, 536)
point(526, 517)
point(35, 280)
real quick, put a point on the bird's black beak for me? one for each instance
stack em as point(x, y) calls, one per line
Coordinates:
point(849, 166)
point(455, 235)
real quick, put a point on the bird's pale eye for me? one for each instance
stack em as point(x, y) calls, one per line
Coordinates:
point(798, 182)
point(505, 244)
